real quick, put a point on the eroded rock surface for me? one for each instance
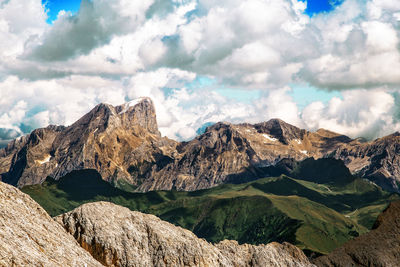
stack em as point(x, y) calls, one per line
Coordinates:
point(378, 160)
point(116, 236)
point(30, 237)
point(121, 143)
point(229, 153)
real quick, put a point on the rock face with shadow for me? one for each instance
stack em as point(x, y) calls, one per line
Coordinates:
point(104, 234)
point(124, 145)
point(377, 161)
point(116, 236)
point(379, 247)
point(228, 153)
point(30, 237)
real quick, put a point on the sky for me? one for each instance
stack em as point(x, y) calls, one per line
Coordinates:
point(316, 64)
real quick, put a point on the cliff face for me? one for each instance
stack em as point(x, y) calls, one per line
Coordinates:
point(104, 233)
point(228, 153)
point(108, 139)
point(124, 145)
point(30, 237)
point(22, 156)
point(378, 161)
point(117, 236)
point(379, 247)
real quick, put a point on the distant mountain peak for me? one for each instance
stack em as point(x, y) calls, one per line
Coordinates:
point(281, 130)
point(102, 139)
point(123, 143)
point(131, 104)
point(138, 112)
point(327, 133)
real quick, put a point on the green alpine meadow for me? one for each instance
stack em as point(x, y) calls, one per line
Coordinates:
point(317, 217)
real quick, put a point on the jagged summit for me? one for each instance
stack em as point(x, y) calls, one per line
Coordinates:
point(124, 145)
point(138, 112)
point(128, 105)
point(281, 130)
point(102, 140)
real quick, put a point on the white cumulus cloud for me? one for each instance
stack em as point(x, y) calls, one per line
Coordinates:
point(114, 51)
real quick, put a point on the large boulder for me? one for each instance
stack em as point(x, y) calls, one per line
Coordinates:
point(30, 237)
point(117, 236)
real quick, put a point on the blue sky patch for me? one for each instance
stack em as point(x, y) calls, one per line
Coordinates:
point(55, 6)
point(319, 6)
point(304, 95)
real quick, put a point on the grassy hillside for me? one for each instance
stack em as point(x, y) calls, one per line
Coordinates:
point(316, 217)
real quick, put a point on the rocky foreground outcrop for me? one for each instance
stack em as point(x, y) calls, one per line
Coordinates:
point(124, 145)
point(30, 237)
point(116, 236)
point(379, 247)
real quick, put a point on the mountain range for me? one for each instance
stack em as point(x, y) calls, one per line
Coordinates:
point(314, 216)
point(233, 188)
point(124, 145)
point(105, 234)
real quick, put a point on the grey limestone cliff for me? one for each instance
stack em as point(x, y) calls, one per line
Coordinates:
point(116, 236)
point(30, 237)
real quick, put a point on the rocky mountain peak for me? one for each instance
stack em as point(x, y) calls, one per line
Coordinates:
point(102, 139)
point(26, 152)
point(390, 137)
point(326, 133)
point(139, 112)
point(223, 130)
point(123, 143)
point(280, 130)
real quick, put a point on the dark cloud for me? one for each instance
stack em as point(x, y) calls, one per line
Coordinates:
point(94, 25)
point(160, 8)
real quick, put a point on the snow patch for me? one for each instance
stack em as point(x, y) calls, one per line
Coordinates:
point(269, 138)
point(131, 103)
point(45, 160)
point(297, 141)
point(247, 130)
point(304, 152)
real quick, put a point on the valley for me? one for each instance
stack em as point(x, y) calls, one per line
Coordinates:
point(316, 217)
